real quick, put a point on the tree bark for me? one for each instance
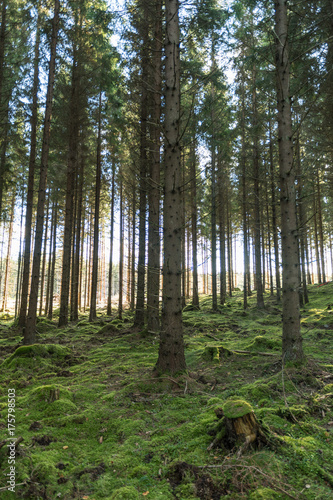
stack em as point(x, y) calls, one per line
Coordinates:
point(171, 356)
point(291, 339)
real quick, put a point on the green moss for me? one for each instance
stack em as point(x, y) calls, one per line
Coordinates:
point(60, 407)
point(235, 408)
point(45, 472)
point(53, 351)
point(125, 493)
point(264, 494)
point(261, 343)
point(48, 393)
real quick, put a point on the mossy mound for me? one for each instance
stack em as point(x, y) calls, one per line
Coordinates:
point(264, 494)
point(48, 393)
point(44, 325)
point(125, 493)
point(236, 408)
point(109, 328)
point(53, 351)
point(261, 343)
point(59, 408)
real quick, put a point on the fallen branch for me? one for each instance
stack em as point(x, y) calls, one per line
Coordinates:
point(254, 353)
point(16, 443)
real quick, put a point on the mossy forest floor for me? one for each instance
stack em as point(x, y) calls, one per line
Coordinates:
point(96, 423)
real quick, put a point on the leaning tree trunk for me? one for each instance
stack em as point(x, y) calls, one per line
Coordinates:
point(29, 332)
point(171, 356)
point(291, 338)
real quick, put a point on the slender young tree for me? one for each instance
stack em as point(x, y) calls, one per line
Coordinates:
point(171, 356)
point(291, 338)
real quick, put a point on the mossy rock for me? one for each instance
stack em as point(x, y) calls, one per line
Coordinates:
point(236, 408)
point(125, 493)
point(264, 494)
point(53, 351)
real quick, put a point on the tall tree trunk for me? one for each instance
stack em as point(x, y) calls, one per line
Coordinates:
point(121, 250)
point(93, 299)
point(9, 247)
point(315, 219)
point(109, 306)
point(153, 277)
point(29, 332)
point(54, 255)
point(133, 249)
point(171, 355)
point(257, 235)
point(139, 318)
point(194, 210)
point(222, 224)
point(301, 218)
point(19, 262)
point(47, 293)
point(74, 314)
point(274, 217)
point(3, 107)
point(291, 339)
point(320, 228)
point(70, 191)
point(31, 174)
point(229, 246)
point(244, 198)
point(44, 258)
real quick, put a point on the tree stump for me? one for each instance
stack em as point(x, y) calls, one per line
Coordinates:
point(240, 422)
point(237, 426)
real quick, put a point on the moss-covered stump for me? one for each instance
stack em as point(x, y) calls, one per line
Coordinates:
point(215, 353)
point(237, 426)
